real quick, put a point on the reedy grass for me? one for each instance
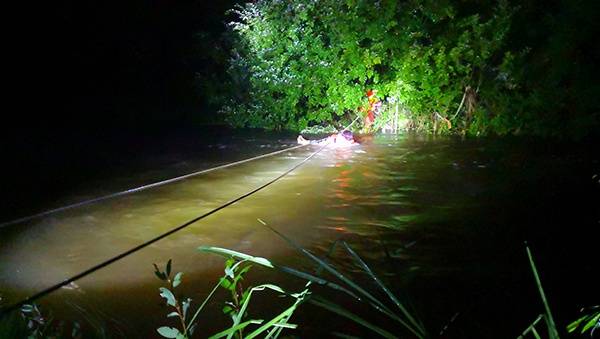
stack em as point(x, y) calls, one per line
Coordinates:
point(531, 328)
point(339, 310)
point(552, 330)
point(13, 326)
point(357, 292)
point(590, 321)
point(405, 319)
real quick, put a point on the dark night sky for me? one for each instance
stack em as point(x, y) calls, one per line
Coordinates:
point(97, 64)
point(93, 83)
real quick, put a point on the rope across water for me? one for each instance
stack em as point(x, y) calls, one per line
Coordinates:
point(141, 188)
point(145, 187)
point(7, 310)
point(122, 255)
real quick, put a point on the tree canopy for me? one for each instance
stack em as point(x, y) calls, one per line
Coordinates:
point(299, 63)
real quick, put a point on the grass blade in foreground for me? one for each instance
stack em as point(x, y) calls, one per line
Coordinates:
point(265, 262)
point(317, 280)
point(281, 318)
point(531, 328)
point(234, 329)
point(330, 306)
point(238, 255)
point(374, 302)
point(333, 271)
point(233, 273)
point(587, 322)
point(367, 269)
point(552, 330)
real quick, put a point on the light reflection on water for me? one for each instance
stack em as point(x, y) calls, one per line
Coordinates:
point(358, 194)
point(47, 251)
point(405, 205)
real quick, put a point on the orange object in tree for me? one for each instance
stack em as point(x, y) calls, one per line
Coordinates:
point(374, 105)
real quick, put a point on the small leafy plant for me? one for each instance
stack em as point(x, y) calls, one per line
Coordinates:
point(181, 307)
point(236, 267)
point(232, 281)
point(399, 313)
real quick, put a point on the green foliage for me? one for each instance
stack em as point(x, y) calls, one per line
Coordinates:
point(236, 267)
point(32, 323)
point(552, 330)
point(589, 321)
point(180, 307)
point(306, 62)
point(13, 326)
point(401, 317)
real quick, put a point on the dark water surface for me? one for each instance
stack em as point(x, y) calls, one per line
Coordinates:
point(442, 221)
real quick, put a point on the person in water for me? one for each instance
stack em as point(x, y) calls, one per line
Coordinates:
point(345, 138)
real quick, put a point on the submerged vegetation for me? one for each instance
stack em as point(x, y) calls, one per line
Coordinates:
point(451, 67)
point(32, 323)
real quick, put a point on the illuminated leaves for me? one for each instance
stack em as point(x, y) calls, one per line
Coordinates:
point(308, 62)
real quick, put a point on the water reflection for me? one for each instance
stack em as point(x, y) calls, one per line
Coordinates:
point(360, 194)
point(433, 217)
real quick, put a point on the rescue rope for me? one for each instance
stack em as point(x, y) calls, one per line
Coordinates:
point(141, 188)
point(95, 268)
point(7, 310)
point(353, 121)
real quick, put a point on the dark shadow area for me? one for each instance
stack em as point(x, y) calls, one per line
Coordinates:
point(45, 170)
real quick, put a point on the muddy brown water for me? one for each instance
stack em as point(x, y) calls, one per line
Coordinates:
point(441, 220)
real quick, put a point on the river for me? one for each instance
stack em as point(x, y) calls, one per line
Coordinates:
point(442, 221)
